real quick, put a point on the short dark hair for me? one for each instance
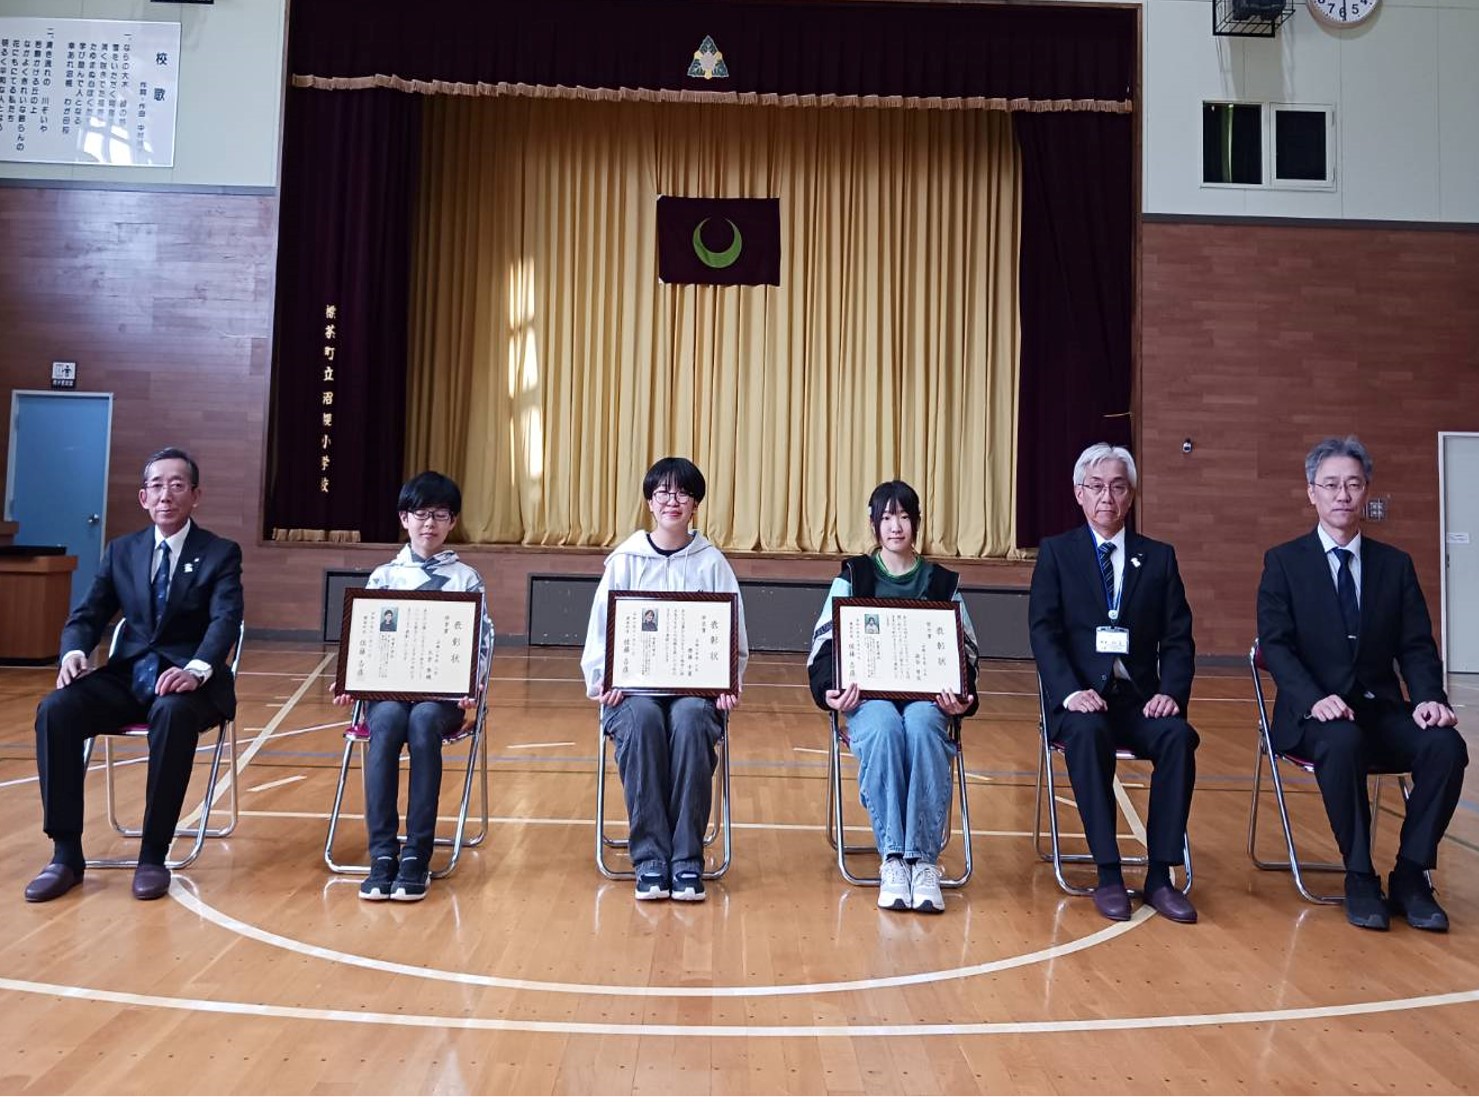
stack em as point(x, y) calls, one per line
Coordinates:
point(895, 494)
point(429, 490)
point(1349, 446)
point(172, 453)
point(678, 473)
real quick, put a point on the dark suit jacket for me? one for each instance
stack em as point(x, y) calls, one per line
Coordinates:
point(1067, 605)
point(201, 617)
point(1303, 636)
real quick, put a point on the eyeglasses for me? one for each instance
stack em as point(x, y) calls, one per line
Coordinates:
point(441, 514)
point(1118, 489)
point(155, 488)
point(668, 495)
point(1354, 486)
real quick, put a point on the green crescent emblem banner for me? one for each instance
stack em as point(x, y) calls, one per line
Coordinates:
point(718, 241)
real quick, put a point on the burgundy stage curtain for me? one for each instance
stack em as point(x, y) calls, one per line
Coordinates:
point(771, 47)
point(350, 169)
point(1076, 284)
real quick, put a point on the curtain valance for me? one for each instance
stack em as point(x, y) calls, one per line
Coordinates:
point(908, 55)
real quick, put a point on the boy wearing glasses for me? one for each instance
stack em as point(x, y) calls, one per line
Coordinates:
point(178, 588)
point(1338, 615)
point(665, 745)
point(429, 505)
point(1111, 635)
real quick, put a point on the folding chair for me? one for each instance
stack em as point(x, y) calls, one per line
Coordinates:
point(224, 748)
point(1047, 782)
point(722, 823)
point(473, 731)
point(836, 829)
point(1266, 752)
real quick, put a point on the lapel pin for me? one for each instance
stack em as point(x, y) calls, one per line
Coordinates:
point(1135, 562)
point(189, 566)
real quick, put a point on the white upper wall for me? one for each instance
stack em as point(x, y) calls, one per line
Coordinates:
point(1404, 87)
point(231, 87)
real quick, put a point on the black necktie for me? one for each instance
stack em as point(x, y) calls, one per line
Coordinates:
point(146, 668)
point(1106, 570)
point(1345, 590)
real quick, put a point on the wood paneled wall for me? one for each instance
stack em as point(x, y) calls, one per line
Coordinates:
point(1255, 341)
point(1259, 340)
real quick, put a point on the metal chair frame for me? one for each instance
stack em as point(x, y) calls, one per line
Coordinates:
point(723, 823)
point(357, 735)
point(203, 828)
point(1266, 752)
point(837, 830)
point(1047, 782)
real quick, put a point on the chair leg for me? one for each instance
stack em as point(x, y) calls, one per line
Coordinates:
point(337, 810)
point(965, 824)
point(1058, 857)
point(458, 840)
point(604, 842)
point(725, 820)
point(843, 848)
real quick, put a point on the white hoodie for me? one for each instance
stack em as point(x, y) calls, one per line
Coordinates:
point(635, 565)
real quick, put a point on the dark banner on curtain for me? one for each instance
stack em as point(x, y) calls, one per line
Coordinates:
point(350, 168)
point(1076, 285)
point(718, 241)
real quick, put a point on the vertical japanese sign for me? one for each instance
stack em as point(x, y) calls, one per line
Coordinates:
point(326, 396)
point(88, 91)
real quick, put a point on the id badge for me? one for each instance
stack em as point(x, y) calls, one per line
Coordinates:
point(1112, 639)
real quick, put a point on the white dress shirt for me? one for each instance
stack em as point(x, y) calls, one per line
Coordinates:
point(1333, 561)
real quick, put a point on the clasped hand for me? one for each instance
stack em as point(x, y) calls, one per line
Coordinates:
point(848, 699)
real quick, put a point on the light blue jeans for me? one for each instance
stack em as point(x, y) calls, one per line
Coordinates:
point(904, 752)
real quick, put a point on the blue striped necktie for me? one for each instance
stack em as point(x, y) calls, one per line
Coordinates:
point(146, 668)
point(1106, 570)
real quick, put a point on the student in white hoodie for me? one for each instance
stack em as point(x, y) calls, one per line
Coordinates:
point(429, 505)
point(665, 745)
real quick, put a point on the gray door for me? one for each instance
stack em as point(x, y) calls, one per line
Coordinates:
point(1460, 465)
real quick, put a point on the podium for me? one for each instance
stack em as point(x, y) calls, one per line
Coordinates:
point(35, 599)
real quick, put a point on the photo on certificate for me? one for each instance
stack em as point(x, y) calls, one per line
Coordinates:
point(672, 643)
point(899, 649)
point(409, 645)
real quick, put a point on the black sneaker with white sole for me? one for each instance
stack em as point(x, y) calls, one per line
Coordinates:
point(652, 883)
point(377, 884)
point(411, 881)
point(688, 887)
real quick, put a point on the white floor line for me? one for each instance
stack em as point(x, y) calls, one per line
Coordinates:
point(339, 725)
point(543, 745)
point(208, 913)
point(1137, 827)
point(602, 1029)
point(276, 783)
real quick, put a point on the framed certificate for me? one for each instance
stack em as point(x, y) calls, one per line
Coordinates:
point(410, 645)
point(899, 649)
point(672, 643)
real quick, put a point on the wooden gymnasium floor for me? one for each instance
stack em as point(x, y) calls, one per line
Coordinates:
point(528, 972)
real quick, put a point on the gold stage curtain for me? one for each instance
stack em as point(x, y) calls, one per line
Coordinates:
point(549, 367)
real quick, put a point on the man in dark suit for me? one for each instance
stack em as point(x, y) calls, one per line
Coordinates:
point(179, 588)
point(1336, 612)
point(1111, 635)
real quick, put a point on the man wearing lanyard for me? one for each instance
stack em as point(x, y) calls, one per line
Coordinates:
point(1111, 635)
point(1338, 614)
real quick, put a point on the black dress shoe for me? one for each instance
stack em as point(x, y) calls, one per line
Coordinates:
point(1172, 904)
point(1364, 905)
point(1113, 901)
point(151, 881)
point(1413, 899)
point(55, 880)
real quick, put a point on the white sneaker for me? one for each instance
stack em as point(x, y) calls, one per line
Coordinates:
point(924, 880)
point(893, 892)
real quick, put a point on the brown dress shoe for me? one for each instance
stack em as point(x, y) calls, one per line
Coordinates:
point(1173, 904)
point(1113, 901)
point(151, 881)
point(54, 881)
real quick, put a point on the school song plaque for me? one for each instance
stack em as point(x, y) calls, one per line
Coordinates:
point(672, 643)
point(899, 649)
point(409, 645)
